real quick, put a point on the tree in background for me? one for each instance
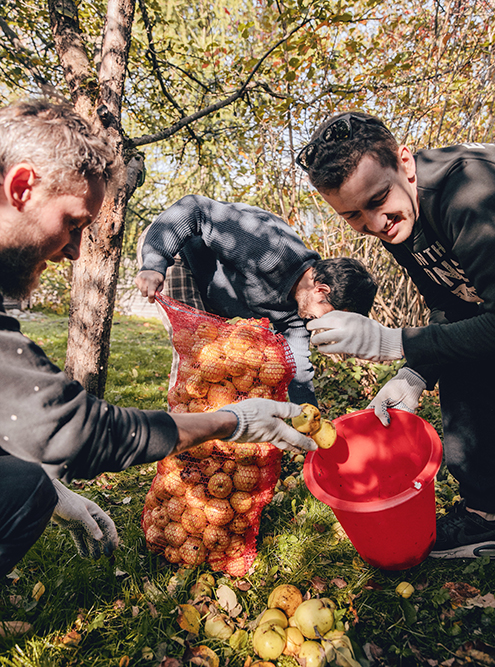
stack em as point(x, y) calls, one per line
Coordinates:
point(218, 99)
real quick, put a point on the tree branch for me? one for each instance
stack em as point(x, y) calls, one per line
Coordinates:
point(156, 67)
point(176, 127)
point(23, 56)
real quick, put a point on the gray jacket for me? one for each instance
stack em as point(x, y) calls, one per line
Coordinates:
point(48, 419)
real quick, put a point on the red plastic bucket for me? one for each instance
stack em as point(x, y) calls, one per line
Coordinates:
point(379, 483)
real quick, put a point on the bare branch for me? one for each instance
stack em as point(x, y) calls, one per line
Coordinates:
point(176, 127)
point(156, 67)
point(23, 56)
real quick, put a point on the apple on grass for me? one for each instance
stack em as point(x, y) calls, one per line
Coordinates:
point(269, 640)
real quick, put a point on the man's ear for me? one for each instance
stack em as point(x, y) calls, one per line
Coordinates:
point(407, 162)
point(322, 289)
point(18, 184)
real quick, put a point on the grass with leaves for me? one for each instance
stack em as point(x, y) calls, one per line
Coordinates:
point(57, 609)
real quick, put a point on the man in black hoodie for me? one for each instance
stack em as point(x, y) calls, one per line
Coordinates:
point(435, 212)
point(54, 172)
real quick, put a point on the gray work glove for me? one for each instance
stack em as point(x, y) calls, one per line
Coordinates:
point(401, 392)
point(261, 420)
point(92, 530)
point(357, 335)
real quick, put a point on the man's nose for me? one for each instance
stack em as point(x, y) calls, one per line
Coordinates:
point(375, 221)
point(73, 248)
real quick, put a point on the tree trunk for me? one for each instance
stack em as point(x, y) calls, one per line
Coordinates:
point(96, 272)
point(94, 286)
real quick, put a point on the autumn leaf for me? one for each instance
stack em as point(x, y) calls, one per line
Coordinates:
point(38, 591)
point(72, 638)
point(189, 618)
point(460, 591)
point(13, 628)
point(484, 601)
point(202, 656)
point(228, 601)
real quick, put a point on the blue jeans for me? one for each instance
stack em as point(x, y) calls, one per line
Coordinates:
point(27, 501)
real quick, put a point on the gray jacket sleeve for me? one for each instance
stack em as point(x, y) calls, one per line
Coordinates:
point(49, 419)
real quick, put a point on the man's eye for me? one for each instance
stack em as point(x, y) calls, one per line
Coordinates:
point(375, 203)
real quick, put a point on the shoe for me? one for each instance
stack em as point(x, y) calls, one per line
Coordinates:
point(463, 534)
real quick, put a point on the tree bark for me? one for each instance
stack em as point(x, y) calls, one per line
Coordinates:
point(96, 272)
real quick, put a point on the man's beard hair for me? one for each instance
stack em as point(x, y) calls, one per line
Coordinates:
point(19, 271)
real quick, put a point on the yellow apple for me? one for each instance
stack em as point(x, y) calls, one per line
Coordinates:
point(309, 419)
point(285, 597)
point(269, 640)
point(326, 435)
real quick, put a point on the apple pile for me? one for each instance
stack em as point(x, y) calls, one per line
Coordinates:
point(303, 629)
point(204, 505)
point(222, 363)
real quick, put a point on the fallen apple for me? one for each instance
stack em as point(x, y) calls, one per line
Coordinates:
point(405, 589)
point(274, 616)
point(314, 617)
point(311, 654)
point(269, 640)
point(239, 640)
point(285, 597)
point(199, 589)
point(295, 639)
point(219, 626)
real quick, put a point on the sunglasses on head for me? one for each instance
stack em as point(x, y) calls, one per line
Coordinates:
point(340, 129)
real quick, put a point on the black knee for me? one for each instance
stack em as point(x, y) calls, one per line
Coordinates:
point(27, 501)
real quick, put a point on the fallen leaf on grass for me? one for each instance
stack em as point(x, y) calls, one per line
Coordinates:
point(484, 601)
point(147, 653)
point(372, 585)
point(372, 651)
point(15, 600)
point(13, 628)
point(473, 655)
point(243, 585)
point(119, 605)
point(460, 591)
point(202, 656)
point(38, 591)
point(189, 618)
point(228, 600)
point(72, 638)
point(152, 608)
point(170, 662)
point(340, 583)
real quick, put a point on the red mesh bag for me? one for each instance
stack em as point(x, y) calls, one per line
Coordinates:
point(205, 504)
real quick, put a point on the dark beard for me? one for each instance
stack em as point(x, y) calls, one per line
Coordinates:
point(18, 271)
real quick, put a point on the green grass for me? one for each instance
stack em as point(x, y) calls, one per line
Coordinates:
point(124, 610)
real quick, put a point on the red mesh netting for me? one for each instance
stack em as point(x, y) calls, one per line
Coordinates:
point(205, 504)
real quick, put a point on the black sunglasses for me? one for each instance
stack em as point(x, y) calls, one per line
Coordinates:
point(339, 129)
